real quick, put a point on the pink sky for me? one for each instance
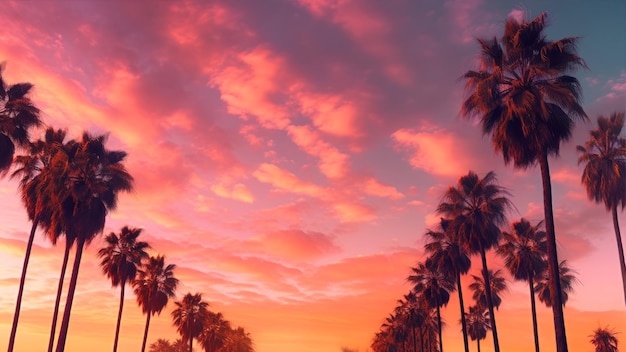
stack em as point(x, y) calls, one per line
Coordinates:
point(288, 157)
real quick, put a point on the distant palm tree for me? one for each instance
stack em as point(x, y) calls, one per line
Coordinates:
point(33, 170)
point(524, 251)
point(478, 323)
point(161, 345)
point(215, 332)
point(154, 286)
point(121, 257)
point(238, 340)
point(413, 314)
point(90, 188)
point(477, 207)
point(528, 102)
point(17, 116)
point(435, 288)
point(480, 292)
point(189, 316)
point(567, 285)
point(604, 340)
point(451, 258)
point(604, 176)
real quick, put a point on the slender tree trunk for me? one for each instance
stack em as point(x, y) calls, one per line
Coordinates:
point(553, 261)
point(533, 309)
point(414, 340)
point(57, 302)
point(119, 316)
point(463, 322)
point(440, 331)
point(70, 296)
point(145, 333)
point(492, 316)
point(20, 291)
point(478, 344)
point(422, 339)
point(620, 249)
point(191, 343)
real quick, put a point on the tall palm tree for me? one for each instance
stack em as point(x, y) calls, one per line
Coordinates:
point(604, 176)
point(434, 286)
point(90, 189)
point(451, 258)
point(480, 291)
point(215, 331)
point(189, 316)
point(17, 116)
point(154, 285)
point(528, 102)
point(33, 169)
point(238, 340)
point(604, 340)
point(413, 314)
point(477, 207)
point(524, 250)
point(121, 257)
point(478, 323)
point(567, 280)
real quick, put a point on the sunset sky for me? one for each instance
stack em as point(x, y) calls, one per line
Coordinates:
point(288, 156)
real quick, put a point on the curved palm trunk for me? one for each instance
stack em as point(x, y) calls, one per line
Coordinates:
point(145, 333)
point(533, 310)
point(620, 249)
point(57, 302)
point(553, 261)
point(439, 323)
point(119, 317)
point(20, 291)
point(492, 316)
point(70, 296)
point(463, 322)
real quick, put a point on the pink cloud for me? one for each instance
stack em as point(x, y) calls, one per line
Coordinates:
point(286, 181)
point(238, 191)
point(332, 163)
point(295, 245)
point(373, 187)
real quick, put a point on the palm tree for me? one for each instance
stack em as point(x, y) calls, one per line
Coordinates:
point(476, 208)
point(215, 332)
point(161, 345)
point(120, 259)
point(435, 288)
point(566, 283)
point(410, 308)
point(604, 175)
point(33, 169)
point(189, 316)
point(17, 116)
point(478, 323)
point(604, 340)
point(524, 251)
point(450, 258)
point(154, 286)
point(480, 291)
point(526, 100)
point(89, 191)
point(238, 340)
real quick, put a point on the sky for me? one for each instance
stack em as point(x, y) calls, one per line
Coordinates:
point(288, 156)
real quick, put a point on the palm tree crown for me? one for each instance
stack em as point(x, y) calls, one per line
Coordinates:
point(190, 316)
point(568, 279)
point(604, 340)
point(479, 288)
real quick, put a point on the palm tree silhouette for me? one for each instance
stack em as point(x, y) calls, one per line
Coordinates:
point(476, 208)
point(480, 292)
point(524, 251)
point(435, 288)
point(478, 323)
point(17, 116)
point(120, 258)
point(154, 286)
point(527, 102)
point(89, 191)
point(567, 280)
point(450, 257)
point(215, 332)
point(604, 340)
point(238, 340)
point(33, 170)
point(604, 176)
point(189, 316)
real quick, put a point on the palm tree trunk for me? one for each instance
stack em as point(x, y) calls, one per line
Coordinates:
point(20, 291)
point(553, 261)
point(119, 316)
point(492, 316)
point(478, 344)
point(191, 343)
point(439, 323)
point(145, 333)
point(463, 322)
point(414, 340)
point(422, 338)
point(533, 309)
point(57, 302)
point(70, 296)
point(620, 249)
